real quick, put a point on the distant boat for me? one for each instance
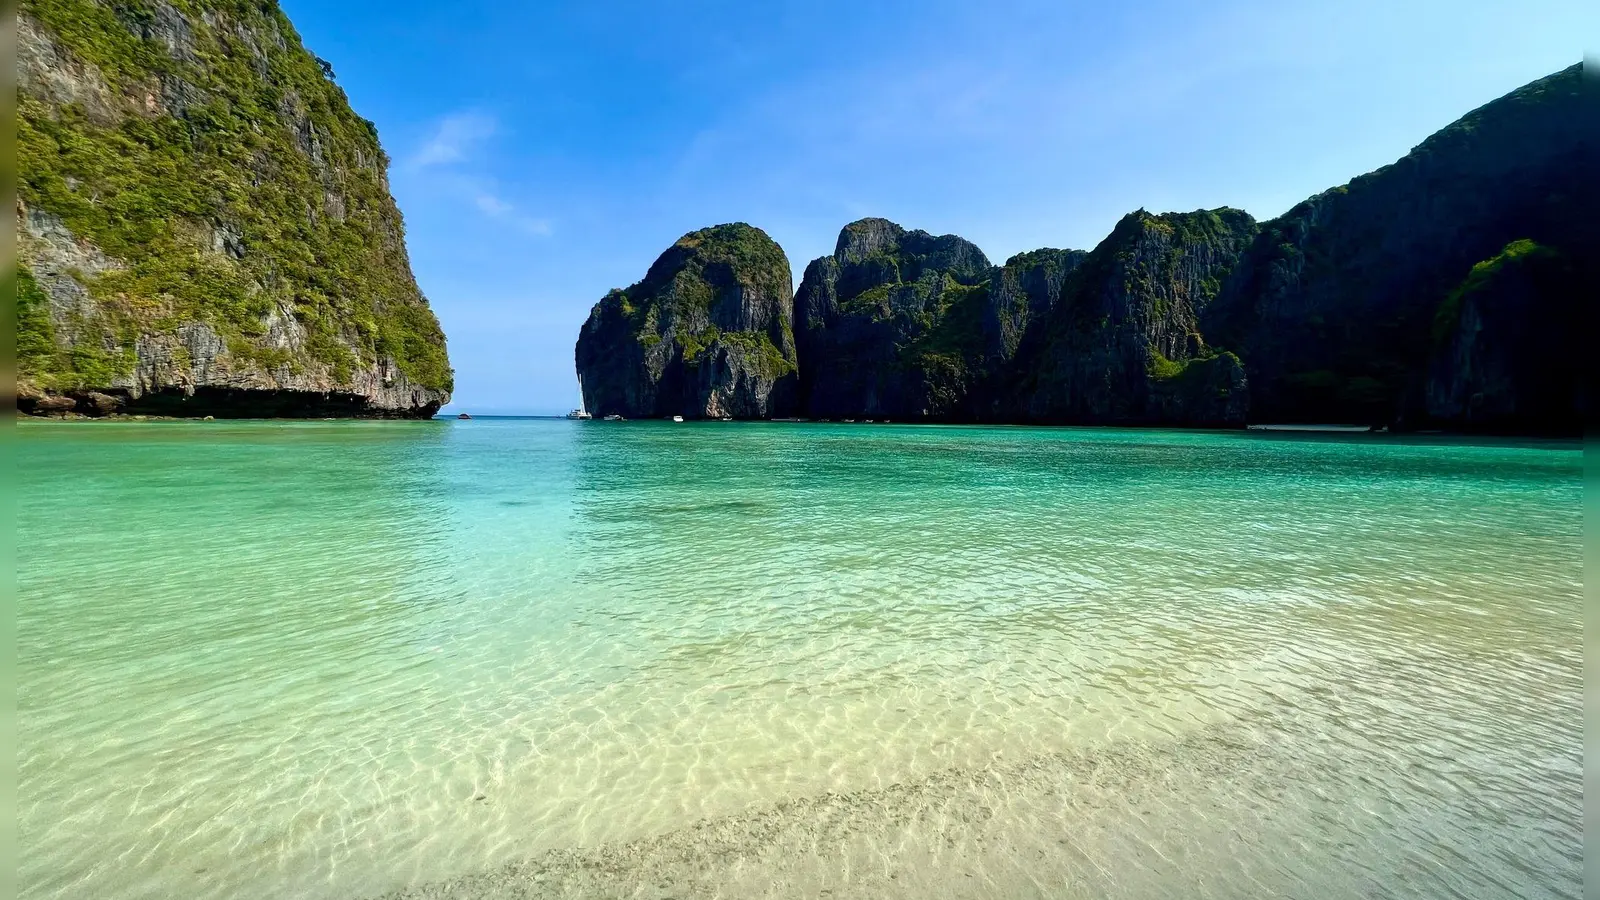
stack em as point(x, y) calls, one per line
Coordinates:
point(613, 418)
point(463, 416)
point(580, 412)
point(677, 418)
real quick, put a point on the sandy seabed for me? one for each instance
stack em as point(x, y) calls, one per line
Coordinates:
point(1096, 824)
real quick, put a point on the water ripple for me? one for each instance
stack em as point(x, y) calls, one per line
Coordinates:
point(546, 659)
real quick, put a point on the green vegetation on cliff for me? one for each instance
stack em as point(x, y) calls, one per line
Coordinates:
point(690, 274)
point(1482, 278)
point(953, 344)
point(80, 366)
point(746, 253)
point(766, 358)
point(205, 152)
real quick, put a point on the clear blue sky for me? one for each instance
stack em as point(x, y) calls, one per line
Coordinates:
point(544, 153)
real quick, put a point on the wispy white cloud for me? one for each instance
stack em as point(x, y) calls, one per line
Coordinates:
point(492, 205)
point(454, 139)
point(535, 227)
point(452, 158)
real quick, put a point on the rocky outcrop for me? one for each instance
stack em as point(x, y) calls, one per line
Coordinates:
point(1446, 290)
point(891, 325)
point(1333, 308)
point(708, 333)
point(204, 226)
point(903, 325)
point(1123, 342)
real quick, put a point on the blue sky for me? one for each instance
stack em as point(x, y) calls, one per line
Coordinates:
point(544, 153)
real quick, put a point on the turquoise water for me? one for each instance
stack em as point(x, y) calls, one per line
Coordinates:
point(550, 658)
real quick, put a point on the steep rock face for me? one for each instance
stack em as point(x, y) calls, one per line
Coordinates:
point(1015, 315)
point(1333, 309)
point(1498, 363)
point(891, 325)
point(204, 226)
point(708, 333)
point(1123, 342)
point(1022, 292)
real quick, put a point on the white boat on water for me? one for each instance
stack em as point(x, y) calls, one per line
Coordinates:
point(677, 418)
point(580, 412)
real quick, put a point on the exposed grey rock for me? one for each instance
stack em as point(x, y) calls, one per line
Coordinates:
point(47, 71)
point(49, 404)
point(227, 240)
point(165, 25)
point(97, 404)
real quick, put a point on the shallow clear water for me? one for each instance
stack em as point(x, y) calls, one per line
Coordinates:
point(530, 658)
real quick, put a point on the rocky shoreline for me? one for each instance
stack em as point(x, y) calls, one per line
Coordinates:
point(217, 403)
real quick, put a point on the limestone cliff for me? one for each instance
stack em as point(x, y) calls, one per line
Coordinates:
point(1335, 305)
point(204, 225)
point(1016, 315)
point(1123, 342)
point(1022, 293)
point(1447, 290)
point(891, 325)
point(708, 333)
point(907, 326)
